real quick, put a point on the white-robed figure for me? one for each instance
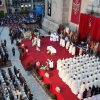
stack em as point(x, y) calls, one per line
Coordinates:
point(38, 43)
point(70, 48)
point(59, 63)
point(74, 86)
point(51, 37)
point(63, 43)
point(61, 39)
point(73, 50)
point(34, 41)
point(82, 89)
point(56, 36)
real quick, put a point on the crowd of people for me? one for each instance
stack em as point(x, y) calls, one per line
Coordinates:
point(14, 85)
point(3, 53)
point(81, 74)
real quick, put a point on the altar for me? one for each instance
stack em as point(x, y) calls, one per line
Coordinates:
point(51, 49)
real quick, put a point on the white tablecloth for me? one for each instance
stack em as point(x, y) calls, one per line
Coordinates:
point(51, 48)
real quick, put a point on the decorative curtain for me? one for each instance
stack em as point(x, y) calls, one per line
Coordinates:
point(89, 24)
point(76, 5)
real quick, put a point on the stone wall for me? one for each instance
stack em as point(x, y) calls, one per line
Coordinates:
point(61, 14)
point(84, 5)
point(52, 22)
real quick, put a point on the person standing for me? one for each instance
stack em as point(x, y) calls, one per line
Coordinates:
point(5, 60)
point(12, 40)
point(38, 44)
point(5, 42)
point(13, 51)
point(6, 54)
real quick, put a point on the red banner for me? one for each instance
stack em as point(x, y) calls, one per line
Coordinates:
point(76, 5)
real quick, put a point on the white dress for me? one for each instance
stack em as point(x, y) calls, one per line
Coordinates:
point(51, 37)
point(34, 41)
point(74, 87)
point(51, 64)
point(57, 38)
point(61, 40)
point(54, 37)
point(73, 50)
point(63, 43)
point(38, 42)
point(67, 78)
point(70, 82)
point(63, 75)
point(70, 48)
point(82, 89)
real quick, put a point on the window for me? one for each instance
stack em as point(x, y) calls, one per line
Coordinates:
point(0, 2)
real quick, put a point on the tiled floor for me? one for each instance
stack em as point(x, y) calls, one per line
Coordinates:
point(36, 89)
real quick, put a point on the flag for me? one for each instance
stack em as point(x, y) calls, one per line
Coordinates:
point(76, 5)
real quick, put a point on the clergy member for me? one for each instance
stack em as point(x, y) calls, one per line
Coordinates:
point(38, 44)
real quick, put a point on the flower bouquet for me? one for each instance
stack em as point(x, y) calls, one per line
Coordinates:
point(44, 68)
point(58, 89)
point(47, 75)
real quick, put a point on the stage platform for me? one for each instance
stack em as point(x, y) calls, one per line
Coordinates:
point(34, 56)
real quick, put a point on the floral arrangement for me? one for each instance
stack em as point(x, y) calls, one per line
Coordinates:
point(37, 63)
point(44, 68)
point(47, 75)
point(58, 89)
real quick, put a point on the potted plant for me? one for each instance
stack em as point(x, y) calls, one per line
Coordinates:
point(40, 78)
point(53, 96)
point(35, 70)
point(46, 86)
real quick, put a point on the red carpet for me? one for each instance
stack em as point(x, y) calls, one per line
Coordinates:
point(54, 79)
